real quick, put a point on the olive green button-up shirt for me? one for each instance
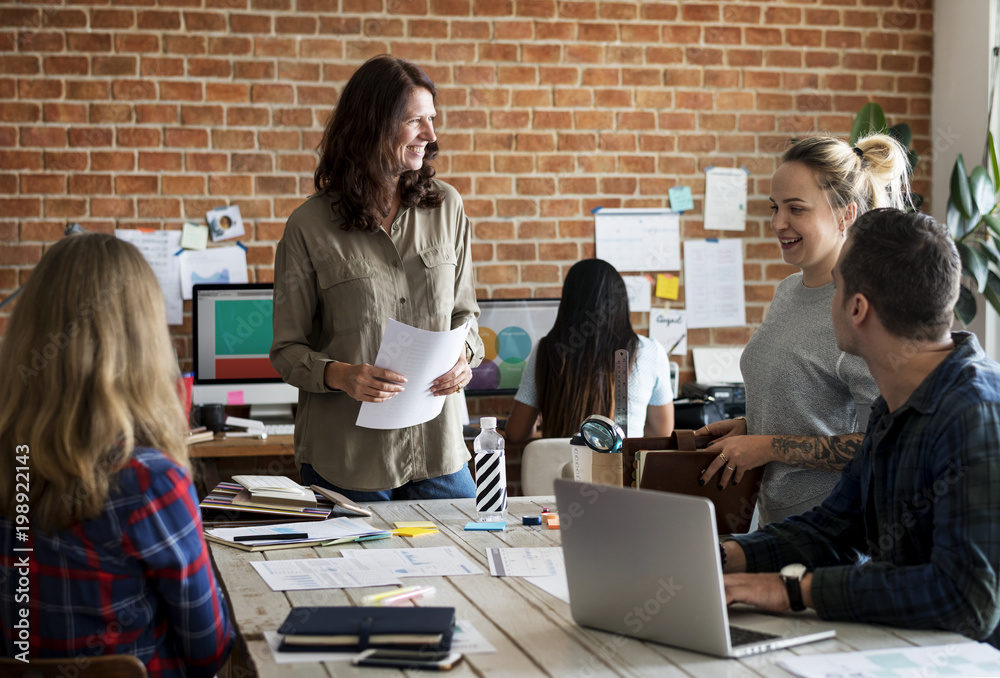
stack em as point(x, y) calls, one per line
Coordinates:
point(333, 293)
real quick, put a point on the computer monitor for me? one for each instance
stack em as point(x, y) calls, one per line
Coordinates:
point(232, 339)
point(509, 328)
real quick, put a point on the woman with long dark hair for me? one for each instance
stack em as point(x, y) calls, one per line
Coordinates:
point(570, 375)
point(380, 238)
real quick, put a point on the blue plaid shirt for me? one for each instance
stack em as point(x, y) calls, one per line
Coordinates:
point(135, 580)
point(910, 536)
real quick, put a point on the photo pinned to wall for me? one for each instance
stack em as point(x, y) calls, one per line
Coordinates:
point(225, 222)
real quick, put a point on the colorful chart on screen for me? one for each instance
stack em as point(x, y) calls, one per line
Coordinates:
point(509, 328)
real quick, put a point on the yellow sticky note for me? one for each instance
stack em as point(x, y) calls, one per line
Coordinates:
point(414, 531)
point(194, 236)
point(414, 523)
point(667, 286)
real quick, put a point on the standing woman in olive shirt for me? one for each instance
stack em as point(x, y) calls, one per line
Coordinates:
point(379, 239)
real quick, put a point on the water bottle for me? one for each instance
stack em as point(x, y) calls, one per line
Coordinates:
point(491, 473)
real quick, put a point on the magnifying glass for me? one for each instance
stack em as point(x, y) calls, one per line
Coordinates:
point(602, 434)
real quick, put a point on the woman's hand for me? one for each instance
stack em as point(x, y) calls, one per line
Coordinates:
point(737, 452)
point(454, 379)
point(366, 383)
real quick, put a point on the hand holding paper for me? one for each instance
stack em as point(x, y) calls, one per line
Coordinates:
point(422, 356)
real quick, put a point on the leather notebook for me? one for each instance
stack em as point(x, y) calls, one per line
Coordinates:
point(358, 628)
point(675, 463)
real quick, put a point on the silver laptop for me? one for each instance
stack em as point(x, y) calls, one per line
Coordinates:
point(646, 564)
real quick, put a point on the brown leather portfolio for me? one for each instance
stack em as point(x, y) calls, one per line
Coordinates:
point(676, 462)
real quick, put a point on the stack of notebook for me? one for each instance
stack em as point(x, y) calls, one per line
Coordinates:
point(351, 629)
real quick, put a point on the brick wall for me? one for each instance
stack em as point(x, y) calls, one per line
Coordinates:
point(138, 113)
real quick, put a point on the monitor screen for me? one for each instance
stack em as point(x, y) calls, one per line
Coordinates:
point(232, 339)
point(509, 328)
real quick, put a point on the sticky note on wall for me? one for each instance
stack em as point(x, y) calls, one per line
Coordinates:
point(667, 286)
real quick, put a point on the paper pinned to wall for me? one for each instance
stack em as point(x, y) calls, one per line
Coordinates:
point(213, 265)
point(725, 199)
point(669, 327)
point(638, 239)
point(638, 293)
point(713, 283)
point(158, 248)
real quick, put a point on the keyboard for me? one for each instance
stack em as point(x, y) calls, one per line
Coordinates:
point(279, 429)
point(740, 636)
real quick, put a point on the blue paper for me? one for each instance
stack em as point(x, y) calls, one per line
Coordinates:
point(680, 199)
point(486, 527)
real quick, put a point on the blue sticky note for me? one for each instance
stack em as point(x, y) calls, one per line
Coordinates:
point(680, 199)
point(486, 527)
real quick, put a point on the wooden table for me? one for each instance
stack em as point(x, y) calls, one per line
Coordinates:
point(532, 631)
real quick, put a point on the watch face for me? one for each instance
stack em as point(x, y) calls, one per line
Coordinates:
point(794, 571)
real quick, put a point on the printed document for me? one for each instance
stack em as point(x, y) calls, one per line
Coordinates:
point(725, 199)
point(434, 561)
point(158, 247)
point(421, 356)
point(713, 283)
point(638, 239)
point(304, 574)
point(969, 660)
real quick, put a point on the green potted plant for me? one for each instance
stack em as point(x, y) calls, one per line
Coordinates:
point(973, 214)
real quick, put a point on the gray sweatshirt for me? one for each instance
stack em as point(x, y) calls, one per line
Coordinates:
point(799, 383)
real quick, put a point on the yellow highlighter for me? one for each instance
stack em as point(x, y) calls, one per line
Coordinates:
point(396, 596)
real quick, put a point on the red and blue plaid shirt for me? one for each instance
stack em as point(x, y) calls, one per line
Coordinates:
point(137, 580)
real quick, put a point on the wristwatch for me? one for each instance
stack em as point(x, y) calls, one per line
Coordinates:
point(792, 576)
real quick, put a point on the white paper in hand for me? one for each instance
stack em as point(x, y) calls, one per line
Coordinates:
point(421, 356)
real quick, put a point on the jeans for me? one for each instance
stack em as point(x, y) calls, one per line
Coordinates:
point(457, 485)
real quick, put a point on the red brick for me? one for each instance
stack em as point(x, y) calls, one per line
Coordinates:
point(159, 208)
point(22, 112)
point(154, 113)
point(232, 139)
point(112, 207)
point(48, 88)
point(21, 160)
point(181, 91)
point(209, 68)
point(137, 42)
point(19, 65)
point(20, 17)
point(43, 136)
point(39, 41)
point(822, 59)
point(762, 36)
point(516, 208)
point(207, 162)
point(136, 184)
point(20, 255)
point(39, 183)
point(205, 21)
point(131, 90)
point(181, 137)
point(90, 184)
point(120, 19)
point(158, 20)
point(229, 45)
point(185, 44)
point(842, 39)
point(132, 137)
point(717, 79)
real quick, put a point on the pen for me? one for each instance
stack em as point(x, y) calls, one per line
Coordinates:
point(273, 536)
point(677, 343)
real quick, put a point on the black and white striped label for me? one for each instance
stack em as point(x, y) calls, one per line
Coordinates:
point(491, 482)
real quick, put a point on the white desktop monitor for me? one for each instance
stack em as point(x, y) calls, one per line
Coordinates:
point(232, 338)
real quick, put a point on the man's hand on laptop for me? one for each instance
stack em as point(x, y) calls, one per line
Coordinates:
point(764, 590)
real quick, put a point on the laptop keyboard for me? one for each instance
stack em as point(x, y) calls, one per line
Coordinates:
point(740, 636)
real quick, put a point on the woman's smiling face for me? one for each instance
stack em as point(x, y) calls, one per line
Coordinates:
point(417, 130)
point(809, 230)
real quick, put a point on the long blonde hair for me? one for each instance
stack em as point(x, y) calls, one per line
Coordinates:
point(89, 373)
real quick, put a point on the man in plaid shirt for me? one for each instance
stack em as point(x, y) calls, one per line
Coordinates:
point(910, 536)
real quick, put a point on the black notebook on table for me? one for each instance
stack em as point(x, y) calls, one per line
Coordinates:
point(352, 629)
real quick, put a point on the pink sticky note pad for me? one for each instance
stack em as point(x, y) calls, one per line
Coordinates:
point(234, 398)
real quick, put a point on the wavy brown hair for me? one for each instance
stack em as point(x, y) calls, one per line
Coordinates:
point(575, 363)
point(358, 158)
point(89, 374)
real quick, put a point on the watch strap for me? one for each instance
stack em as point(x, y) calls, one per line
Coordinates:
point(793, 585)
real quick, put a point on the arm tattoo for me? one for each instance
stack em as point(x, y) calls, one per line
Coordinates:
point(824, 453)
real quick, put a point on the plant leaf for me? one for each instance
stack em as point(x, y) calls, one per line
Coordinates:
point(902, 134)
point(911, 159)
point(982, 190)
point(961, 195)
point(955, 221)
point(974, 264)
point(993, 162)
point(993, 223)
point(992, 291)
point(870, 119)
point(990, 250)
point(965, 307)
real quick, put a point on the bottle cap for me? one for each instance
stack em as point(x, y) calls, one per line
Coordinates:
point(487, 422)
